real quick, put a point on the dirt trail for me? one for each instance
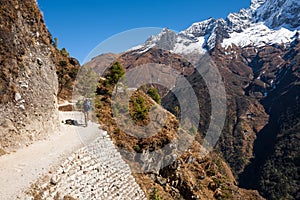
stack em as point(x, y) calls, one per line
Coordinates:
point(18, 170)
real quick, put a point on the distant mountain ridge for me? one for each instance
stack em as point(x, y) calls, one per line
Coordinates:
point(264, 22)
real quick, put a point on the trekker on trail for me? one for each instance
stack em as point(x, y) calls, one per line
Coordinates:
point(87, 106)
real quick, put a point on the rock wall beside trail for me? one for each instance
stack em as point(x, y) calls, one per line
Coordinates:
point(94, 172)
point(28, 80)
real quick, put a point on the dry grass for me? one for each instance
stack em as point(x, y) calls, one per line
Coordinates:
point(2, 152)
point(69, 198)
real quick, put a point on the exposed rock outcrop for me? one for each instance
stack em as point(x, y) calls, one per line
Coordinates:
point(27, 76)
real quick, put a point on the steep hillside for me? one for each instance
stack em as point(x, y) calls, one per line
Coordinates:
point(190, 176)
point(27, 75)
point(245, 115)
point(256, 51)
point(260, 133)
point(67, 69)
point(277, 147)
point(102, 62)
point(252, 79)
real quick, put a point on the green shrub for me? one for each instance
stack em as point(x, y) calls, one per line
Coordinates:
point(98, 103)
point(116, 71)
point(73, 71)
point(64, 52)
point(117, 131)
point(137, 148)
point(154, 195)
point(193, 130)
point(63, 63)
point(140, 110)
point(2, 152)
point(153, 93)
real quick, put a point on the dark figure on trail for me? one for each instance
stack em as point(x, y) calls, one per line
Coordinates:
point(71, 122)
point(87, 106)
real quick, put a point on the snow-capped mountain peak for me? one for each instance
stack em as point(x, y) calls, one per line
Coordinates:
point(200, 28)
point(256, 4)
point(277, 13)
point(177, 43)
point(264, 22)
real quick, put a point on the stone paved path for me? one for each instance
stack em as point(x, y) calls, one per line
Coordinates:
point(18, 170)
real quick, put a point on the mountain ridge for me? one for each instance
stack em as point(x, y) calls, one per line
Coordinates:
point(203, 36)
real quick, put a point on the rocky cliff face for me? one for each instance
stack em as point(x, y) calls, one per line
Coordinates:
point(28, 80)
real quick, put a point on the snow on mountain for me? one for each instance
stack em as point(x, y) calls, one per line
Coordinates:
point(239, 21)
point(264, 22)
point(259, 35)
point(176, 43)
point(276, 13)
point(256, 4)
point(200, 28)
point(186, 46)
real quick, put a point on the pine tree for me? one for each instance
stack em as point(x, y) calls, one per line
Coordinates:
point(116, 71)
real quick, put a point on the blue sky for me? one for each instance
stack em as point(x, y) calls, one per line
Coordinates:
point(81, 25)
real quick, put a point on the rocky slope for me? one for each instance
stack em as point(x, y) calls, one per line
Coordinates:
point(100, 63)
point(191, 175)
point(262, 119)
point(27, 75)
point(67, 69)
point(253, 77)
point(277, 146)
point(256, 51)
